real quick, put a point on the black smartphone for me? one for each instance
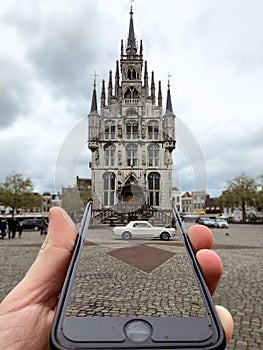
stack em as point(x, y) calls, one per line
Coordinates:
point(134, 293)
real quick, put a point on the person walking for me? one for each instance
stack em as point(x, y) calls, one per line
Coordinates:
point(3, 228)
point(12, 228)
point(42, 225)
point(19, 228)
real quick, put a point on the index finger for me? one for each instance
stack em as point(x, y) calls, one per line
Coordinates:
point(200, 237)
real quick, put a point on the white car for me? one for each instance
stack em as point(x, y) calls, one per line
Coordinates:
point(143, 229)
point(221, 223)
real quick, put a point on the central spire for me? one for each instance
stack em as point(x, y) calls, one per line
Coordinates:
point(131, 44)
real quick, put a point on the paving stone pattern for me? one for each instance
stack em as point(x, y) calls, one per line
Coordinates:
point(106, 286)
point(240, 289)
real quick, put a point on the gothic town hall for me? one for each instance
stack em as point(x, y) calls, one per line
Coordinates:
point(131, 138)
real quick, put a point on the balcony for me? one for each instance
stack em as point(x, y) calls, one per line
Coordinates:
point(132, 101)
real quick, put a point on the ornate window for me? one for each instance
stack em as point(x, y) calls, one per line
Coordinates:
point(154, 187)
point(132, 130)
point(109, 155)
point(110, 130)
point(153, 130)
point(131, 96)
point(109, 189)
point(153, 155)
point(131, 155)
point(131, 74)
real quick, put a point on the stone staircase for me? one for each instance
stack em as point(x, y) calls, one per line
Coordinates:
point(121, 214)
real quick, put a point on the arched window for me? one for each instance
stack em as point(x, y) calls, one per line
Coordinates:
point(153, 155)
point(127, 94)
point(109, 189)
point(132, 130)
point(131, 155)
point(131, 95)
point(131, 74)
point(153, 130)
point(135, 93)
point(109, 155)
point(154, 188)
point(110, 130)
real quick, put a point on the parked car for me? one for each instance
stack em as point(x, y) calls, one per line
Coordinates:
point(30, 224)
point(207, 222)
point(143, 229)
point(221, 223)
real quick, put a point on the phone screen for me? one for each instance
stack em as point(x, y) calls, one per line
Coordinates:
point(134, 278)
point(119, 281)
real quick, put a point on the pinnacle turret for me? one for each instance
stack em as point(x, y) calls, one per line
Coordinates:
point(169, 106)
point(94, 105)
point(131, 43)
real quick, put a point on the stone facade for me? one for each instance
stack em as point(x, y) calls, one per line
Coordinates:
point(131, 137)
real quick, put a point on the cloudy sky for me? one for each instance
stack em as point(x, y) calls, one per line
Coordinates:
point(212, 49)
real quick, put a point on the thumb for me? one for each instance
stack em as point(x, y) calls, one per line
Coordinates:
point(53, 259)
point(44, 280)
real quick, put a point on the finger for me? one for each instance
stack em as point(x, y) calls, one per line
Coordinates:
point(201, 237)
point(211, 267)
point(53, 259)
point(61, 230)
point(226, 320)
point(44, 279)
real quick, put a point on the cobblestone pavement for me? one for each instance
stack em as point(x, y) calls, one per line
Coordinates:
point(240, 289)
point(106, 286)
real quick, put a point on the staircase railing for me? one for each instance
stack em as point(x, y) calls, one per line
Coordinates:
point(122, 210)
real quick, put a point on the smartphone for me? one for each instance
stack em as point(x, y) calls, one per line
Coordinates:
point(134, 294)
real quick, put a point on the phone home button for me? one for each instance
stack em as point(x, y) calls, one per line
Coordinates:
point(138, 330)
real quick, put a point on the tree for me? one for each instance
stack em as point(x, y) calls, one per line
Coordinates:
point(259, 202)
point(17, 192)
point(71, 201)
point(241, 193)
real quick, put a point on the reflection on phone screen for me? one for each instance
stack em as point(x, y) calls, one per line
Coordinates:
point(132, 278)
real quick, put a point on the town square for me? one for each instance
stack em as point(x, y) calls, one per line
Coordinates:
point(240, 289)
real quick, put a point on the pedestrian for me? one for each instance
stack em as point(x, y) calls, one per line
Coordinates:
point(12, 228)
point(3, 228)
point(19, 228)
point(42, 225)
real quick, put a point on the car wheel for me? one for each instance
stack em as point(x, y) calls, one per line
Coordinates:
point(126, 235)
point(165, 236)
point(36, 228)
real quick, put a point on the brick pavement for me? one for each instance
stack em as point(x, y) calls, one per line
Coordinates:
point(240, 289)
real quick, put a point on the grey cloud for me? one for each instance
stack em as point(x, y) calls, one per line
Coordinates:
point(8, 108)
point(230, 156)
point(66, 51)
point(229, 37)
point(23, 16)
point(15, 90)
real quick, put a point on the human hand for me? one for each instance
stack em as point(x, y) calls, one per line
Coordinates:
point(27, 313)
point(202, 239)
